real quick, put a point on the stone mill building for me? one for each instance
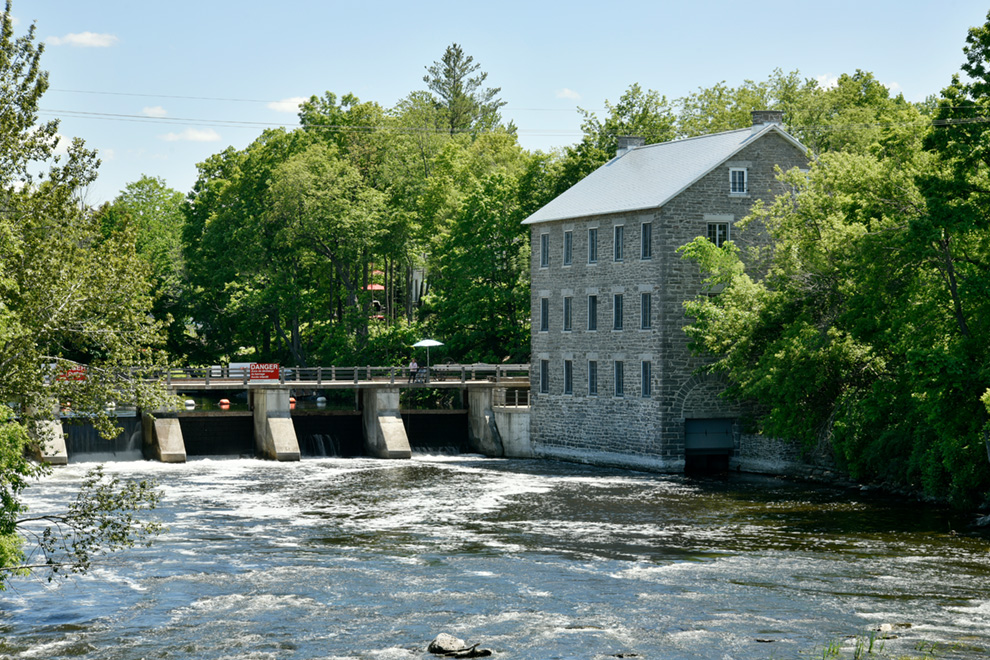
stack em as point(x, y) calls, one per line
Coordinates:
point(613, 380)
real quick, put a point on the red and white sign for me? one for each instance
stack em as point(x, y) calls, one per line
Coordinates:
point(264, 371)
point(74, 373)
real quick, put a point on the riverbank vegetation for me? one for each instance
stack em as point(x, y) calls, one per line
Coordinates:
point(368, 227)
point(867, 324)
point(76, 329)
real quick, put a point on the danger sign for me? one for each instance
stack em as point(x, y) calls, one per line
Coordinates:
point(264, 371)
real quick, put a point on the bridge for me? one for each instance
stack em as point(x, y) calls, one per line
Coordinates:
point(446, 375)
point(493, 392)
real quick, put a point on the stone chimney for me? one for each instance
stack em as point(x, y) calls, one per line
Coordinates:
point(763, 118)
point(628, 143)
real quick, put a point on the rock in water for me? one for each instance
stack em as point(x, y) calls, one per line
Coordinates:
point(449, 646)
point(445, 644)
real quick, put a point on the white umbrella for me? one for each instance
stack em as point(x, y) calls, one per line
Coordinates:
point(427, 344)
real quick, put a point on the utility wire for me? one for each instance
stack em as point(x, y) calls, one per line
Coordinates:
point(233, 123)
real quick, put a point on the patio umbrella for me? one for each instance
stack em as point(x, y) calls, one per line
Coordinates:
point(427, 344)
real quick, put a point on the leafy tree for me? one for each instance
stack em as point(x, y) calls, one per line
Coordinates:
point(852, 336)
point(722, 108)
point(458, 85)
point(155, 213)
point(329, 212)
point(644, 114)
point(70, 296)
point(480, 302)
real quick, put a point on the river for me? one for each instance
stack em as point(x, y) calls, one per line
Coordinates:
point(363, 558)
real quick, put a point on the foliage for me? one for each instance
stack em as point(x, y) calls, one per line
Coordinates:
point(480, 303)
point(154, 212)
point(105, 517)
point(645, 114)
point(850, 336)
point(457, 83)
point(73, 294)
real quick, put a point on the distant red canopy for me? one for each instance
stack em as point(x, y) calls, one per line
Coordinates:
point(375, 287)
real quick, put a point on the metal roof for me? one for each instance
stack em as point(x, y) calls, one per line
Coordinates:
point(650, 176)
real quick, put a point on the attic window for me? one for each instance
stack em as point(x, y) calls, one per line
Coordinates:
point(737, 181)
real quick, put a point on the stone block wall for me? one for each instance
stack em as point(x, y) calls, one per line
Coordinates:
point(633, 429)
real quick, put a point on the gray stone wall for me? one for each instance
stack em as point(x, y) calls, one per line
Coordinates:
point(634, 430)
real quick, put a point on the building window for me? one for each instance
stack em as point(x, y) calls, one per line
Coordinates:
point(544, 250)
point(544, 314)
point(618, 240)
point(645, 310)
point(592, 377)
point(567, 314)
point(646, 241)
point(617, 311)
point(718, 233)
point(592, 313)
point(568, 247)
point(647, 376)
point(593, 245)
point(568, 377)
point(620, 385)
point(737, 181)
point(544, 376)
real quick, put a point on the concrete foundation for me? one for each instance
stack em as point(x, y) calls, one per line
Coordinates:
point(274, 434)
point(51, 442)
point(483, 432)
point(163, 439)
point(513, 425)
point(384, 433)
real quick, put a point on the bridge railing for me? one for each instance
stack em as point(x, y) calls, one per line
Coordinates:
point(500, 374)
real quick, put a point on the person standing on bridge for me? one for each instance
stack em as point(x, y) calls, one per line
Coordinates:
point(413, 368)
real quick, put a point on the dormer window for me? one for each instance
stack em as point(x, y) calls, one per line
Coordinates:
point(737, 181)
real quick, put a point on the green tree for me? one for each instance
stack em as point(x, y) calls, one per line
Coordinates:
point(458, 85)
point(646, 114)
point(852, 336)
point(480, 300)
point(155, 213)
point(327, 210)
point(70, 296)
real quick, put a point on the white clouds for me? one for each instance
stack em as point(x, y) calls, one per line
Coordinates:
point(192, 135)
point(827, 80)
point(287, 105)
point(568, 94)
point(154, 111)
point(84, 40)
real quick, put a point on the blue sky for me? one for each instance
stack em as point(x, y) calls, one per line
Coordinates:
point(157, 88)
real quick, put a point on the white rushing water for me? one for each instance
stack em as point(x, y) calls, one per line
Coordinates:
point(362, 558)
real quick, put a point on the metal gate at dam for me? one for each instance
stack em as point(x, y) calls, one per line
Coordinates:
point(493, 401)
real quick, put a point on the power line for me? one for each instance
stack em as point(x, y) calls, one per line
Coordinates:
point(233, 123)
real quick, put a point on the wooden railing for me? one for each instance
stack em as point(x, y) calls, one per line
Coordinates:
point(507, 374)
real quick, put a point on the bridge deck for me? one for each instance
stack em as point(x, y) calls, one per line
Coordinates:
point(239, 384)
point(447, 376)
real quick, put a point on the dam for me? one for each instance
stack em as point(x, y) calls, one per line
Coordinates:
point(272, 427)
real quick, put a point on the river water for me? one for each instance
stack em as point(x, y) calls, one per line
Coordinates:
point(364, 558)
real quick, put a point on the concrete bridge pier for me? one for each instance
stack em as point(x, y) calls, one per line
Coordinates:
point(384, 432)
point(483, 434)
point(163, 437)
point(50, 441)
point(274, 433)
